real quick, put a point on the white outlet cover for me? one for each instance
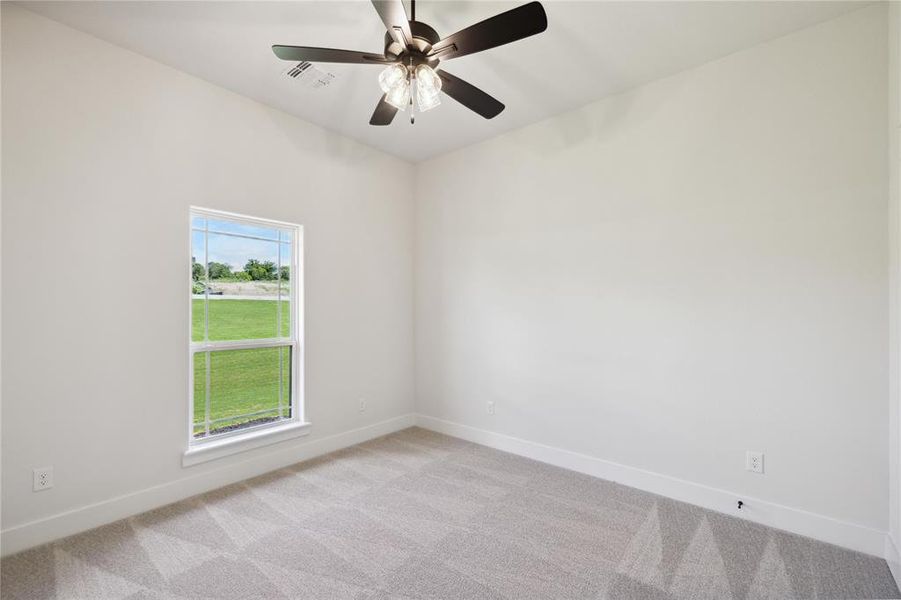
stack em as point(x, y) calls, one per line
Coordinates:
point(491, 408)
point(42, 479)
point(754, 461)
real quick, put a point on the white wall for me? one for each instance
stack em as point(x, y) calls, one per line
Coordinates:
point(104, 151)
point(894, 227)
point(670, 277)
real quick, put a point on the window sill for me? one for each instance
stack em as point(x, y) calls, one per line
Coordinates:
point(213, 449)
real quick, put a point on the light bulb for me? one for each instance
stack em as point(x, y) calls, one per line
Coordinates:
point(399, 95)
point(391, 76)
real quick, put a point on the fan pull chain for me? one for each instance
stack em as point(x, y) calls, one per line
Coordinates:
point(410, 76)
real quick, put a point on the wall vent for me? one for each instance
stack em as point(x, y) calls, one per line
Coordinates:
point(309, 75)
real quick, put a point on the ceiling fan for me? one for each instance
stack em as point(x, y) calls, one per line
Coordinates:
point(413, 51)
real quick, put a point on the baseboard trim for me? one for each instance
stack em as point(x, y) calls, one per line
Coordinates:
point(893, 558)
point(820, 527)
point(34, 533)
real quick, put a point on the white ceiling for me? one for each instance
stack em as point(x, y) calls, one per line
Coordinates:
point(590, 50)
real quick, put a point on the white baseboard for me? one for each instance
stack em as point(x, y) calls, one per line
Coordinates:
point(34, 533)
point(826, 529)
point(893, 558)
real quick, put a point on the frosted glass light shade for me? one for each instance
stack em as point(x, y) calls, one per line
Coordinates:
point(427, 80)
point(391, 76)
point(399, 95)
point(428, 88)
point(426, 101)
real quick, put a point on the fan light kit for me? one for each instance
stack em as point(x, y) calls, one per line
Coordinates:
point(397, 81)
point(413, 51)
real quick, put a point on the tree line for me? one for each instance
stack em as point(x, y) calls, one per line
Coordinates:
point(254, 270)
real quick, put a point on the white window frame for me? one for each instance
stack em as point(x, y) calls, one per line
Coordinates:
point(240, 440)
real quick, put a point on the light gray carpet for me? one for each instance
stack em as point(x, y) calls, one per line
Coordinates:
point(420, 515)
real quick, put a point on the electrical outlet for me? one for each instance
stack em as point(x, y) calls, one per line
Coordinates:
point(362, 405)
point(42, 479)
point(754, 462)
point(491, 407)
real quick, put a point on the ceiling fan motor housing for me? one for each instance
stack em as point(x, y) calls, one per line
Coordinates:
point(424, 37)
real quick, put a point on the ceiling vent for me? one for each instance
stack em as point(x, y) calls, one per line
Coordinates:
point(308, 75)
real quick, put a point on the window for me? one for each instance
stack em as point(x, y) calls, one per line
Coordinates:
point(245, 321)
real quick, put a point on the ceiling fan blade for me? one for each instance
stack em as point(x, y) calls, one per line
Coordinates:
point(383, 113)
point(501, 29)
point(328, 55)
point(469, 95)
point(394, 16)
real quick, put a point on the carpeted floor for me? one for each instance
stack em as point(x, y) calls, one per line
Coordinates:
point(420, 515)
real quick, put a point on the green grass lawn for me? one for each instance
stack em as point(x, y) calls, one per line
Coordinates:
point(241, 381)
point(239, 319)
